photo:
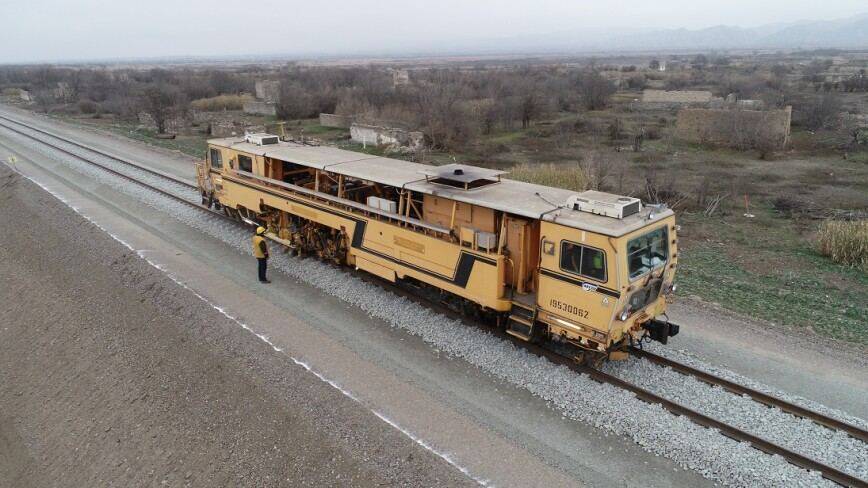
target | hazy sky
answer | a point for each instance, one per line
(53, 30)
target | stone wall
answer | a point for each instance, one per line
(174, 125)
(679, 98)
(676, 96)
(400, 77)
(735, 128)
(335, 120)
(260, 108)
(386, 136)
(268, 90)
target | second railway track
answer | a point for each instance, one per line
(756, 395)
(763, 445)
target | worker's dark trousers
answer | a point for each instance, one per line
(263, 266)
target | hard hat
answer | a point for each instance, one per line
(260, 231)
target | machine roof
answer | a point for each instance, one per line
(515, 197)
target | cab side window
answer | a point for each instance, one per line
(594, 263)
(571, 257)
(245, 163)
(216, 158)
(583, 260)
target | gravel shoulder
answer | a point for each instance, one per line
(113, 375)
(829, 372)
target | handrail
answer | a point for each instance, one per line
(344, 201)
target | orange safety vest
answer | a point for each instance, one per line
(258, 245)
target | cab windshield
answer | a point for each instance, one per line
(647, 251)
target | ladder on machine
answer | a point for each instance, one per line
(522, 319)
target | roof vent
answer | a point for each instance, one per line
(462, 176)
(606, 204)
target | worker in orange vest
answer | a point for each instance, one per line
(260, 252)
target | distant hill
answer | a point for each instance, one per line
(843, 33)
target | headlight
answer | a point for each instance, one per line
(670, 289)
(624, 315)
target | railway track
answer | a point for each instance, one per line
(755, 395)
(735, 433)
(727, 430)
(123, 161)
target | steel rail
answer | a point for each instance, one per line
(727, 430)
(755, 395)
(768, 447)
(97, 151)
(118, 173)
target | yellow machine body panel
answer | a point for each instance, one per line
(582, 275)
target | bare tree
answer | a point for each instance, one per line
(820, 112)
(159, 101)
(594, 89)
(530, 104)
(44, 99)
(294, 102)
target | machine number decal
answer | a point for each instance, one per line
(566, 307)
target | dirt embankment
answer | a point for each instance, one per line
(113, 375)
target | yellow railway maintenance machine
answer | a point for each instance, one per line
(587, 271)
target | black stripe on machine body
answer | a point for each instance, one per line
(578, 282)
(465, 260)
(359, 233)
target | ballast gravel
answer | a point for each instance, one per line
(686, 357)
(834, 448)
(609, 408)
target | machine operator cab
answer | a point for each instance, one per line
(606, 266)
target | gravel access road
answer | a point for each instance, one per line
(112, 374)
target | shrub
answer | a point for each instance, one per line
(845, 242)
(570, 177)
(88, 107)
(219, 103)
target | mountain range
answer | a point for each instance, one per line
(849, 33)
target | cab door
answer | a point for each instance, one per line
(522, 237)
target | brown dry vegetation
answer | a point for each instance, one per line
(220, 103)
(845, 242)
(571, 177)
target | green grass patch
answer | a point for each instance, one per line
(763, 268)
(317, 129)
(510, 137)
(190, 145)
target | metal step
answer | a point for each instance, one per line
(524, 311)
(520, 327)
